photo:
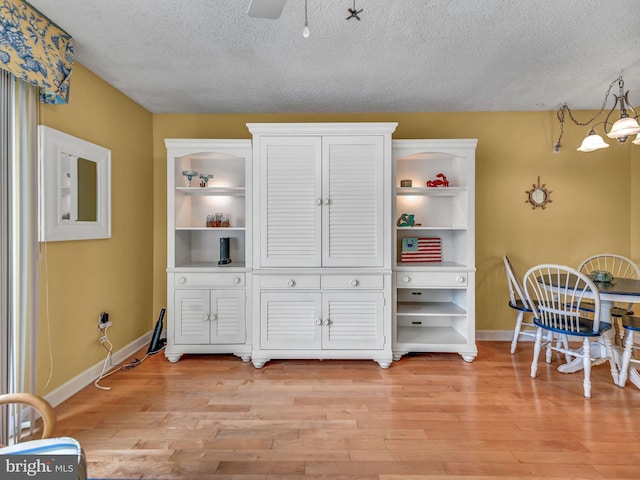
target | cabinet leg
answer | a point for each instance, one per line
(173, 357)
(245, 358)
(383, 362)
(259, 362)
(467, 357)
(398, 355)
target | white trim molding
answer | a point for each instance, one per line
(498, 336)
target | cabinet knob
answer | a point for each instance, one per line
(291, 283)
(319, 321)
(326, 201)
(354, 283)
(318, 201)
(182, 280)
(213, 317)
(406, 279)
(236, 280)
(325, 321)
(205, 317)
(461, 279)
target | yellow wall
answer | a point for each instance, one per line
(590, 210)
(634, 178)
(80, 279)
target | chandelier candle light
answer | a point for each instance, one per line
(621, 129)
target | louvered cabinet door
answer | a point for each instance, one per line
(353, 320)
(191, 324)
(291, 320)
(228, 316)
(353, 201)
(290, 201)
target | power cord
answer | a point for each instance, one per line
(108, 346)
(43, 248)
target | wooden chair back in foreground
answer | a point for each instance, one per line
(43, 407)
(48, 444)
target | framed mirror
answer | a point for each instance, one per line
(538, 196)
(74, 187)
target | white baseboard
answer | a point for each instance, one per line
(73, 386)
(499, 335)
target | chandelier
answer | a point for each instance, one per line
(621, 129)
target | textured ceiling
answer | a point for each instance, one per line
(209, 56)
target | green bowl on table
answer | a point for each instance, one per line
(601, 276)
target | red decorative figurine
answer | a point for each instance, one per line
(441, 181)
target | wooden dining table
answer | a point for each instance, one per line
(619, 290)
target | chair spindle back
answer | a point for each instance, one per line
(556, 293)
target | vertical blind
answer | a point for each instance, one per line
(18, 243)
(5, 99)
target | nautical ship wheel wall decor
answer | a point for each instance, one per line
(539, 195)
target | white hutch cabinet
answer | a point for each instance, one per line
(333, 254)
(322, 241)
(434, 307)
(207, 301)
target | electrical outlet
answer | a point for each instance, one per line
(104, 326)
(103, 321)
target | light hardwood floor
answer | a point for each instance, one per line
(428, 416)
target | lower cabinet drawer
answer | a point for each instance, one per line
(294, 281)
(429, 279)
(346, 282)
(230, 279)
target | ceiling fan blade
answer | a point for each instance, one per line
(266, 8)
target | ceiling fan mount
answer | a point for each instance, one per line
(266, 8)
(272, 9)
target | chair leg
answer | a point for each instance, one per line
(549, 352)
(611, 354)
(536, 353)
(626, 359)
(562, 341)
(516, 332)
(586, 362)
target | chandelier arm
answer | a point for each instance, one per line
(626, 100)
(561, 117)
(606, 119)
(564, 109)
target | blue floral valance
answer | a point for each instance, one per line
(35, 49)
